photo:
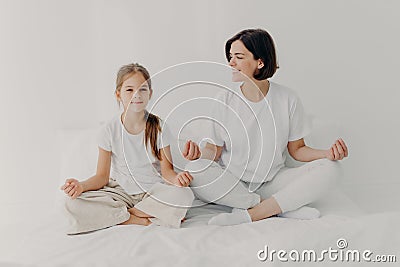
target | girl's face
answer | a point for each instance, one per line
(135, 93)
(243, 62)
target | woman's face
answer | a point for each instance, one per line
(135, 93)
(243, 62)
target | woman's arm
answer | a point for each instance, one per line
(167, 170)
(301, 152)
(74, 188)
(211, 152)
(191, 151)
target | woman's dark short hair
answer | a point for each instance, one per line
(261, 45)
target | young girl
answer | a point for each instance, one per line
(134, 147)
(265, 186)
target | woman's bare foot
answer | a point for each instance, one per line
(139, 213)
(136, 220)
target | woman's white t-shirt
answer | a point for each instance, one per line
(254, 135)
(132, 165)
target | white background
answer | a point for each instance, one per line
(58, 62)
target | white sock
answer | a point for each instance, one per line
(238, 216)
(302, 213)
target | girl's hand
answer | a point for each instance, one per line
(191, 151)
(183, 179)
(72, 187)
(338, 150)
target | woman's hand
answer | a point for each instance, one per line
(338, 150)
(72, 187)
(191, 151)
(183, 179)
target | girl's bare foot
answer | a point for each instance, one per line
(136, 220)
(139, 213)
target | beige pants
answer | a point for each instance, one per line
(108, 206)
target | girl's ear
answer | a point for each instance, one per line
(151, 93)
(118, 95)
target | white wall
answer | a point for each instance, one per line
(46, 76)
(58, 61)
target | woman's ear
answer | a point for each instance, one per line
(260, 64)
(118, 95)
(151, 93)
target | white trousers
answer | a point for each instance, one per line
(291, 187)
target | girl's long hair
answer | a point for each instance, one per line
(152, 121)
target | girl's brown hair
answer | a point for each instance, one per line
(152, 121)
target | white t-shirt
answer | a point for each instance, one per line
(254, 135)
(132, 165)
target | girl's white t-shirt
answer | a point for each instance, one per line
(132, 165)
(254, 135)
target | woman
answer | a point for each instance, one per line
(273, 118)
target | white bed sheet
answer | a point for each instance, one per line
(34, 235)
(41, 241)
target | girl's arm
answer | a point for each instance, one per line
(74, 188)
(102, 175)
(167, 170)
(301, 152)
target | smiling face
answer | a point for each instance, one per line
(243, 62)
(135, 93)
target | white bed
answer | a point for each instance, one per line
(38, 239)
(42, 242)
